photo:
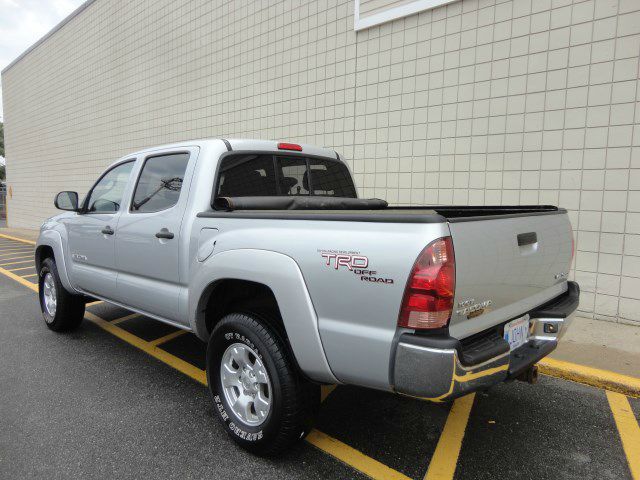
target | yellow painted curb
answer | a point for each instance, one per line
(9, 237)
(615, 382)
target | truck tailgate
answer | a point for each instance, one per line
(505, 266)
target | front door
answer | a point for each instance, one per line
(92, 233)
(148, 236)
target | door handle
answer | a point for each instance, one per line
(165, 233)
(108, 230)
(527, 238)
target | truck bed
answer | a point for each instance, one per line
(361, 210)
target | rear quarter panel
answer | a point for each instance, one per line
(356, 318)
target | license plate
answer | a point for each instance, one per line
(516, 332)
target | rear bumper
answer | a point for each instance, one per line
(441, 368)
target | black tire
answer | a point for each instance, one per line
(294, 400)
(69, 310)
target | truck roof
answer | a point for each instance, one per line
(242, 144)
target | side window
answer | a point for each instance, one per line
(160, 183)
(247, 175)
(106, 195)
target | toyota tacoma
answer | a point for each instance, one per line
(265, 252)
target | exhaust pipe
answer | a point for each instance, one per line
(530, 375)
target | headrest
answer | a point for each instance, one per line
(323, 180)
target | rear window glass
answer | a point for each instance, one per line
(272, 175)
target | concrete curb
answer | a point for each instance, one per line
(595, 377)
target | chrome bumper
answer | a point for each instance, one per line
(438, 375)
(431, 368)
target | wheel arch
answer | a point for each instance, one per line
(228, 295)
(280, 292)
(49, 245)
(42, 253)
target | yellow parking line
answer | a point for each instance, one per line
(21, 268)
(22, 257)
(19, 279)
(124, 319)
(9, 237)
(628, 429)
(330, 445)
(616, 382)
(327, 444)
(353, 457)
(166, 338)
(13, 251)
(445, 458)
(97, 302)
(30, 275)
(165, 357)
(16, 263)
(325, 391)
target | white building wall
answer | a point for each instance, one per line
(476, 101)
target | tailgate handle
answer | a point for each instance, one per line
(527, 238)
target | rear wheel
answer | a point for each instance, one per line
(263, 402)
(61, 310)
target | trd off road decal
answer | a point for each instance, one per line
(353, 262)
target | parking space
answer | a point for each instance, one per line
(149, 413)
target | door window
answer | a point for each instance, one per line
(160, 183)
(106, 194)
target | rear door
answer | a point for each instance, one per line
(506, 266)
(149, 234)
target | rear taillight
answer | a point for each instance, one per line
(428, 296)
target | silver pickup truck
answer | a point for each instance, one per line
(264, 251)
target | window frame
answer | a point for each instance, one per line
(274, 155)
(391, 13)
(85, 204)
(144, 163)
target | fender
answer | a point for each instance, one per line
(283, 276)
(53, 239)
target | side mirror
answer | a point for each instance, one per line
(67, 201)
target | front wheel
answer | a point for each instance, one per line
(61, 310)
(264, 404)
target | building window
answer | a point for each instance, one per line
(369, 13)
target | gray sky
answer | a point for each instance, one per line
(24, 22)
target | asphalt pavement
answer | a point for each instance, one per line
(101, 403)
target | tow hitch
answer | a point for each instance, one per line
(530, 375)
